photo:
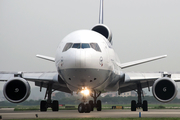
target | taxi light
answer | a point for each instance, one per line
(85, 91)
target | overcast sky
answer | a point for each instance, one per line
(140, 28)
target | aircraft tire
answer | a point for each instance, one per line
(99, 107)
(145, 105)
(92, 105)
(81, 108)
(133, 105)
(87, 108)
(43, 106)
(55, 105)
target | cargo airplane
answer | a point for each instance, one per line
(86, 63)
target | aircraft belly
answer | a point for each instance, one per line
(78, 78)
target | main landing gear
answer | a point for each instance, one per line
(88, 107)
(139, 103)
(49, 103)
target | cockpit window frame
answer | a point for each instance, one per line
(92, 45)
(85, 45)
(67, 46)
(76, 45)
(95, 46)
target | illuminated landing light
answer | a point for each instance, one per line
(85, 91)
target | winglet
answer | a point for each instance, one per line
(101, 12)
(46, 58)
(129, 64)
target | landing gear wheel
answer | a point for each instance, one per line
(43, 106)
(81, 108)
(145, 105)
(87, 108)
(99, 108)
(133, 105)
(91, 104)
(55, 105)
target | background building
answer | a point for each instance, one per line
(115, 94)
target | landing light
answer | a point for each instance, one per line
(85, 91)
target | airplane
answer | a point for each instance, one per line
(86, 63)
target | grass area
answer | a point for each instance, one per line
(107, 119)
(151, 106)
(165, 105)
(29, 108)
(25, 108)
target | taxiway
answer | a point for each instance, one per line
(103, 114)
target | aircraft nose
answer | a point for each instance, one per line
(77, 59)
(84, 68)
(82, 59)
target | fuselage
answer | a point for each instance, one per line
(86, 59)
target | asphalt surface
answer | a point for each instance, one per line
(10, 114)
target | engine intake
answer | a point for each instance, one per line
(164, 89)
(103, 30)
(16, 90)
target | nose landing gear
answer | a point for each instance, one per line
(88, 107)
(84, 106)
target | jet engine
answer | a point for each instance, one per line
(16, 90)
(103, 30)
(164, 89)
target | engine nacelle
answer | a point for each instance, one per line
(164, 89)
(16, 90)
(103, 30)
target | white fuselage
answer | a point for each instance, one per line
(81, 63)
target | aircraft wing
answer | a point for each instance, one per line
(146, 80)
(5, 76)
(46, 58)
(41, 79)
(133, 63)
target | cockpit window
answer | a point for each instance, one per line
(67, 46)
(95, 46)
(85, 45)
(76, 45)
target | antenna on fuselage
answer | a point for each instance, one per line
(101, 12)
